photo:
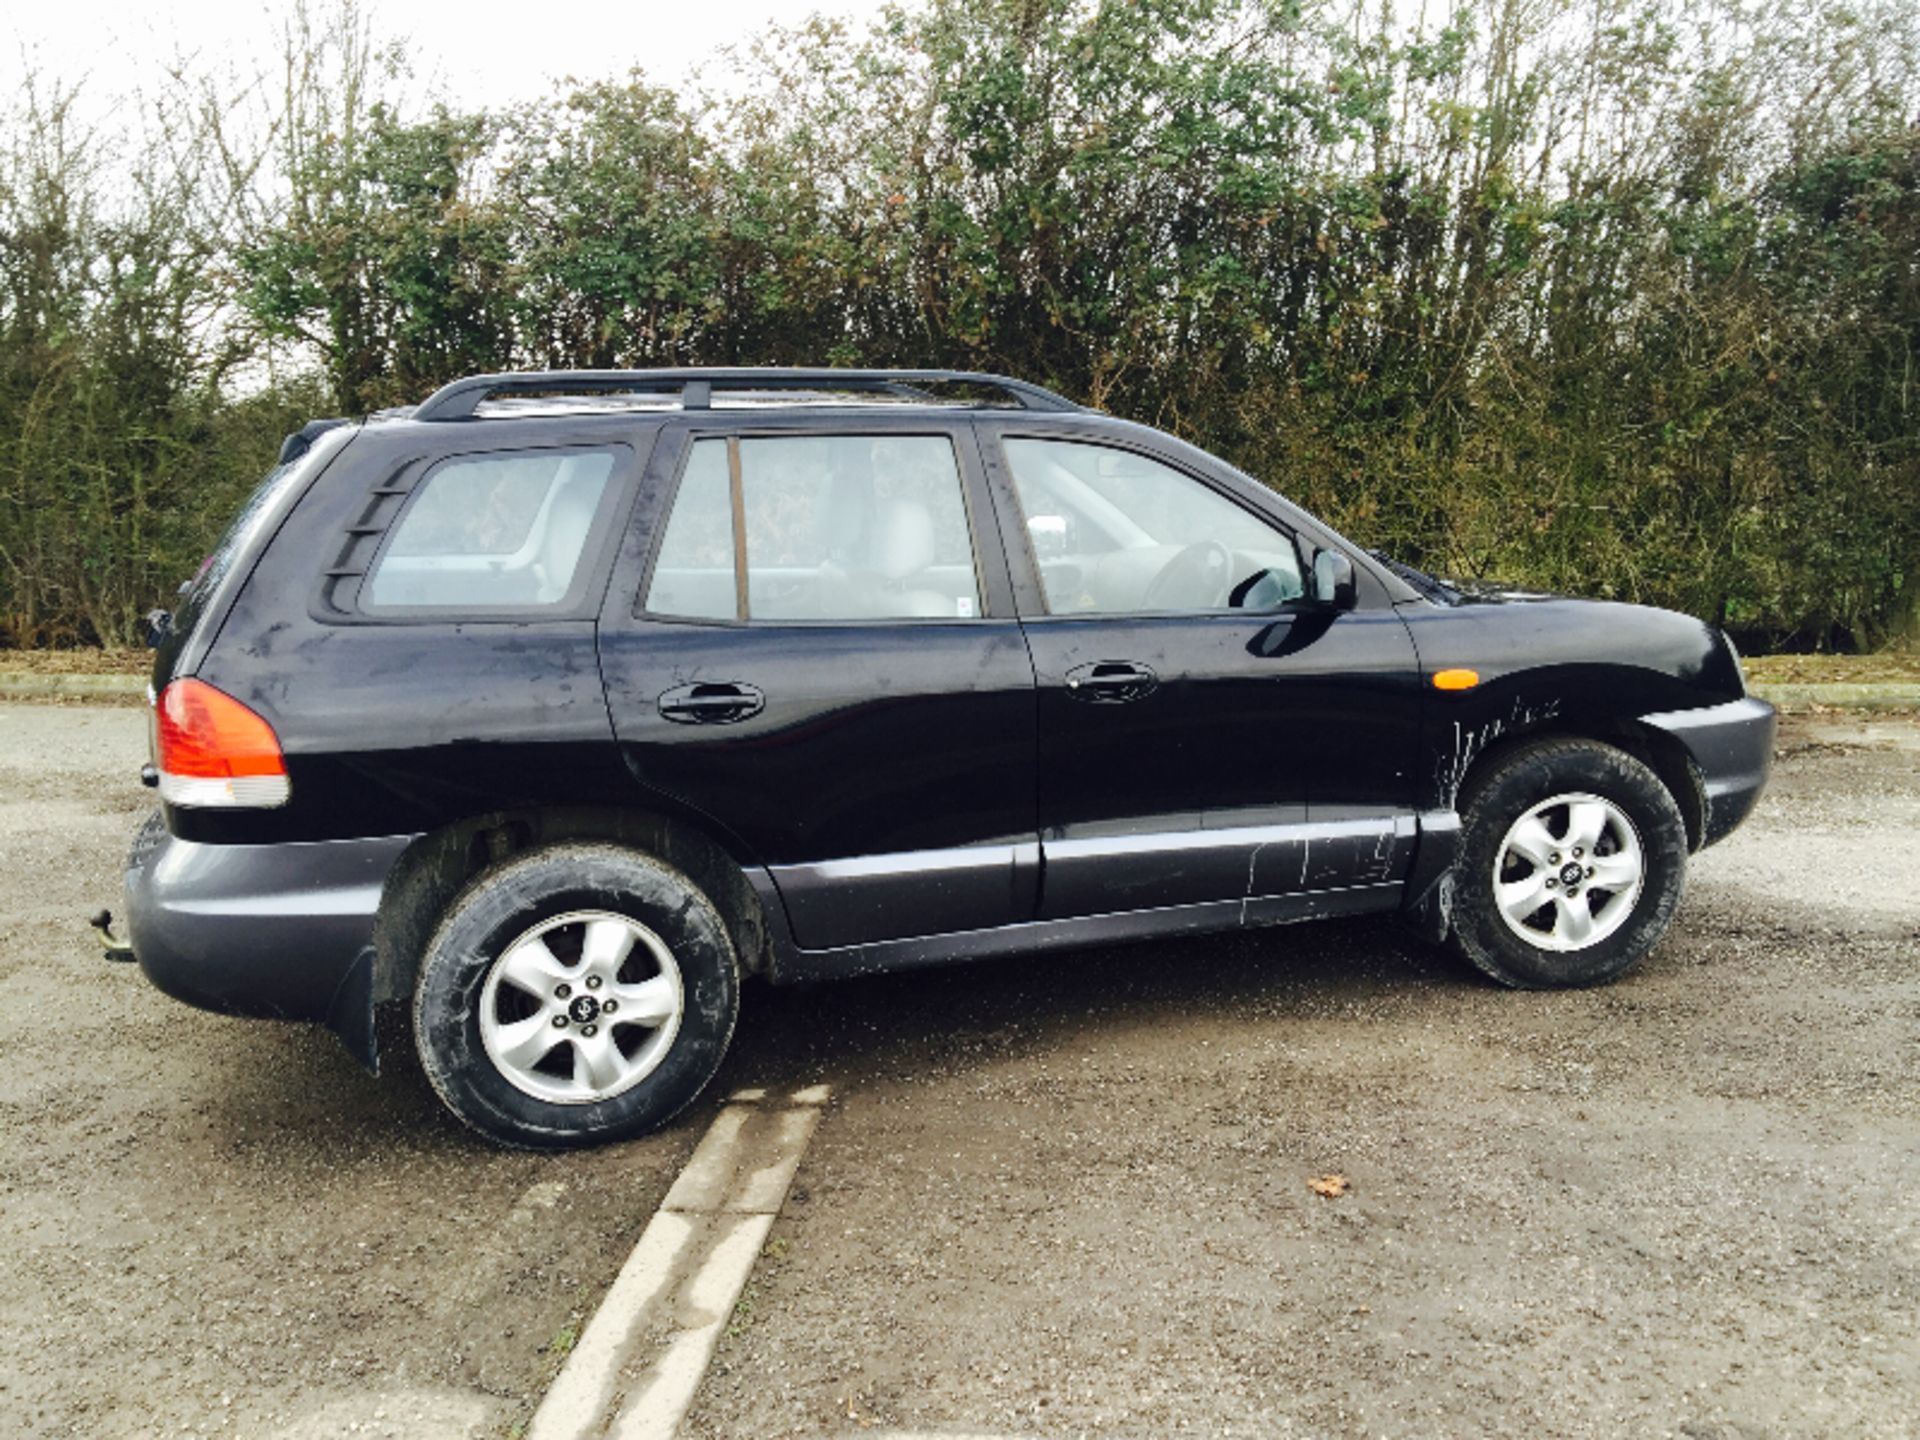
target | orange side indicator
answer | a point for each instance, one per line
(1455, 679)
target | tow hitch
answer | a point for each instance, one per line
(118, 953)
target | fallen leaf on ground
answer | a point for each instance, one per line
(1331, 1186)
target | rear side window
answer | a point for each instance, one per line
(694, 575)
(818, 527)
(494, 532)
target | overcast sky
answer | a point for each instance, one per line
(482, 52)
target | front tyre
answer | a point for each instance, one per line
(573, 995)
(1572, 859)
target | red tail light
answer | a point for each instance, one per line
(213, 751)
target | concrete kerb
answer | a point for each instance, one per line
(1837, 695)
(31, 684)
(641, 1358)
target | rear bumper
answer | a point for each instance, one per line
(271, 930)
(1732, 747)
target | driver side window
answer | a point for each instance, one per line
(1116, 533)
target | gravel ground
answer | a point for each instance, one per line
(1072, 1198)
(1056, 1198)
(225, 1227)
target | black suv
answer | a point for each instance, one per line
(558, 703)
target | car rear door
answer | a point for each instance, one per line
(1206, 732)
(812, 648)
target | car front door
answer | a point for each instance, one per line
(815, 655)
(1207, 731)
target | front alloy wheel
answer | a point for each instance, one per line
(1568, 872)
(1572, 859)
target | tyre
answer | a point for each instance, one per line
(1572, 859)
(574, 995)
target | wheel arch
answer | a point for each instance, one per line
(437, 866)
(1659, 751)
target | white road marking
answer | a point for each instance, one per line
(641, 1358)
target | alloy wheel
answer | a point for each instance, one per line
(1568, 872)
(581, 1007)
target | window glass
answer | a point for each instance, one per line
(1117, 533)
(265, 502)
(856, 527)
(839, 527)
(693, 574)
(493, 532)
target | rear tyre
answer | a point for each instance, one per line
(1572, 860)
(574, 995)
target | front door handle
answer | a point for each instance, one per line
(711, 703)
(1111, 682)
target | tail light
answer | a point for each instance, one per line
(214, 752)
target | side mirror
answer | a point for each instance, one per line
(1333, 580)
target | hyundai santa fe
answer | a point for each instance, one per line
(557, 704)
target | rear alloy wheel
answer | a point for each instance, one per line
(573, 995)
(1573, 856)
(582, 1007)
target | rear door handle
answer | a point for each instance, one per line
(1111, 682)
(711, 703)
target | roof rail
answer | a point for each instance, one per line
(694, 387)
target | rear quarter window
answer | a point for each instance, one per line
(506, 531)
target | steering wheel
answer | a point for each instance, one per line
(1198, 578)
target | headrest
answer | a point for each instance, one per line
(902, 539)
(569, 517)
